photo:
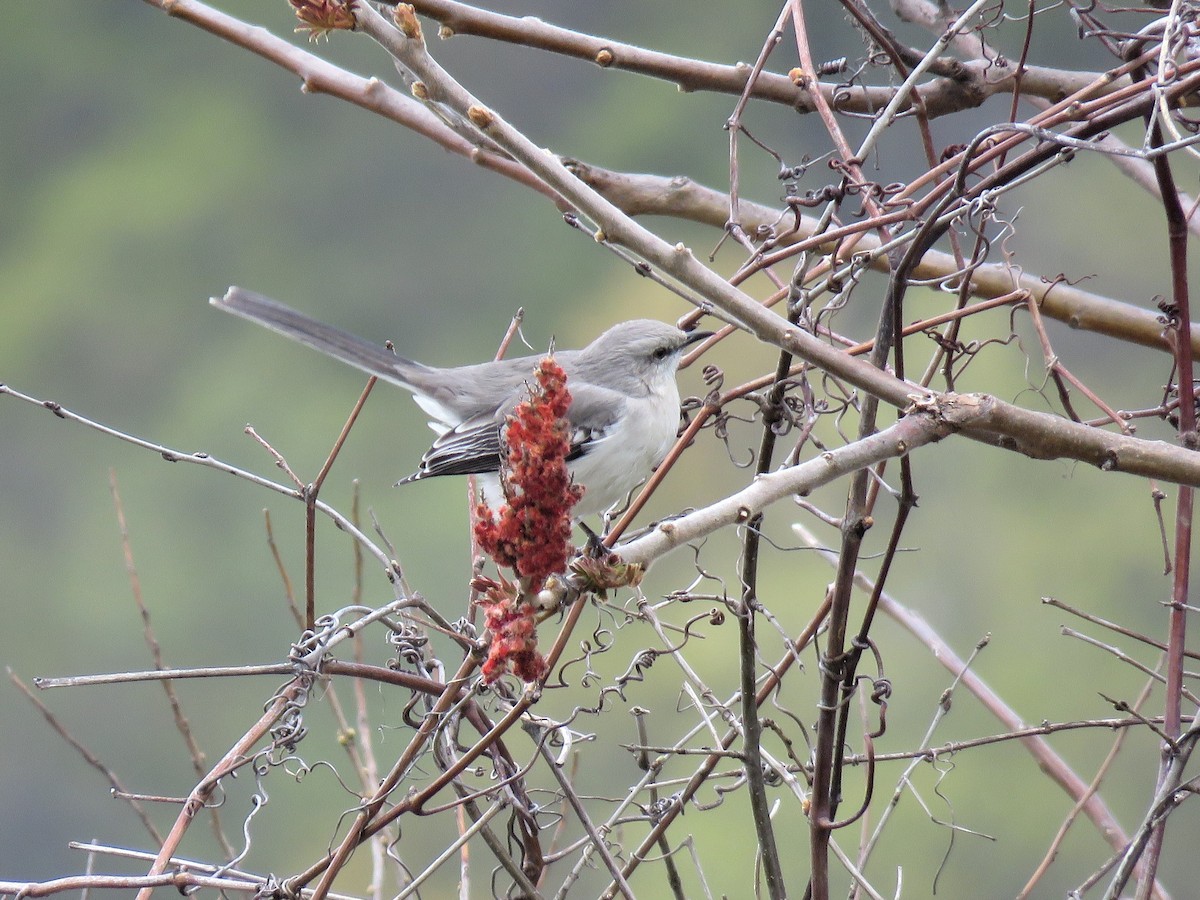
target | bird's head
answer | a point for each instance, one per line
(642, 346)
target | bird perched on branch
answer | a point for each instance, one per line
(624, 412)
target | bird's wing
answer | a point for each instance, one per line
(476, 446)
(472, 447)
(593, 413)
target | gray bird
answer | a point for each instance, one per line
(624, 412)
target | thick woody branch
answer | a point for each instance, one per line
(910, 432)
(682, 198)
(921, 427)
(321, 77)
(1036, 435)
(961, 86)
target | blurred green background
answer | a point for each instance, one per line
(145, 166)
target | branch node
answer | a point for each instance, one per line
(405, 18)
(481, 117)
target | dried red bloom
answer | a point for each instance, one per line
(512, 621)
(320, 17)
(531, 532)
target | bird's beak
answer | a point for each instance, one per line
(695, 337)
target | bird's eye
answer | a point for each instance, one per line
(661, 353)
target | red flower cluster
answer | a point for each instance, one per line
(512, 621)
(532, 531)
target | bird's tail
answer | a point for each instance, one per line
(362, 354)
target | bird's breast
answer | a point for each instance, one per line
(628, 452)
